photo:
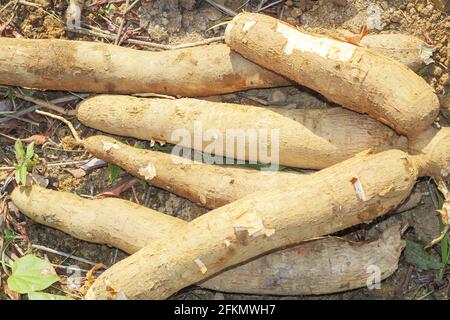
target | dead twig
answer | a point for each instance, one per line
(33, 123)
(52, 164)
(39, 8)
(132, 6)
(30, 4)
(36, 106)
(42, 103)
(222, 8)
(122, 23)
(6, 24)
(6, 6)
(38, 139)
(175, 47)
(146, 43)
(269, 5)
(67, 122)
(63, 254)
(261, 3)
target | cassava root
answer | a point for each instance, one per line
(351, 192)
(82, 66)
(352, 76)
(210, 186)
(95, 67)
(310, 139)
(293, 271)
(354, 191)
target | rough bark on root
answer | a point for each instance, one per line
(352, 76)
(82, 66)
(354, 191)
(210, 186)
(207, 185)
(310, 139)
(351, 192)
(298, 270)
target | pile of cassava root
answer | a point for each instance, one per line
(266, 231)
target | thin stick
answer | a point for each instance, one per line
(67, 122)
(112, 37)
(6, 6)
(13, 116)
(132, 6)
(69, 267)
(222, 8)
(41, 103)
(6, 24)
(27, 3)
(122, 23)
(175, 47)
(67, 255)
(39, 7)
(261, 3)
(52, 164)
(36, 106)
(269, 5)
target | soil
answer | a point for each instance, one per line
(183, 21)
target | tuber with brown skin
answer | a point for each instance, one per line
(207, 185)
(356, 190)
(83, 66)
(352, 76)
(322, 266)
(312, 139)
(292, 271)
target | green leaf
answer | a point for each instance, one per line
(23, 174)
(31, 273)
(30, 151)
(9, 235)
(20, 152)
(46, 296)
(416, 255)
(17, 176)
(113, 172)
(28, 164)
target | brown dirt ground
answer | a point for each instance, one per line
(181, 21)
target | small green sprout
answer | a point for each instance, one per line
(25, 161)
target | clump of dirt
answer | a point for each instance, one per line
(39, 24)
(167, 21)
